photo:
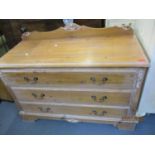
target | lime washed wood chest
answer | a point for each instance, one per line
(83, 74)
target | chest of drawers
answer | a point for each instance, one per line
(81, 75)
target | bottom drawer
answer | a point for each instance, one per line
(73, 110)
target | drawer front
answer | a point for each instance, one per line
(108, 112)
(103, 97)
(101, 78)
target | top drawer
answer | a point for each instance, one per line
(107, 78)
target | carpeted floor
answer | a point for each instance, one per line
(11, 124)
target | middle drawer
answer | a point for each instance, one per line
(64, 95)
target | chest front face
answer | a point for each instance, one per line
(93, 75)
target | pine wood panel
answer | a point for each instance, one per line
(105, 78)
(4, 94)
(76, 118)
(107, 112)
(76, 96)
(118, 122)
(86, 47)
(71, 118)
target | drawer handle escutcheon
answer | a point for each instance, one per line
(34, 95)
(103, 98)
(33, 80)
(44, 109)
(104, 79)
(93, 79)
(103, 112)
(94, 98)
(94, 112)
(41, 96)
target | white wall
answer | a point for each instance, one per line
(145, 31)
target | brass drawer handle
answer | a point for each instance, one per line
(26, 79)
(94, 97)
(41, 96)
(103, 112)
(94, 112)
(102, 99)
(44, 109)
(33, 80)
(93, 79)
(104, 79)
(34, 95)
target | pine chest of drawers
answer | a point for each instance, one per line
(86, 74)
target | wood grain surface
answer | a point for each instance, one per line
(90, 111)
(84, 77)
(85, 47)
(4, 94)
(75, 96)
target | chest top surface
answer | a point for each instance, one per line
(84, 47)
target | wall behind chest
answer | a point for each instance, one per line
(145, 31)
